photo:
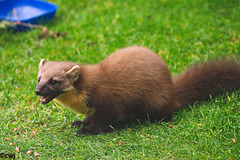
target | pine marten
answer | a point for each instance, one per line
(132, 83)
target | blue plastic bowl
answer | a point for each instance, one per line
(27, 11)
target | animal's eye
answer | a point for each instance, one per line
(38, 79)
(52, 82)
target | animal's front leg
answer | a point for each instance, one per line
(83, 123)
(100, 122)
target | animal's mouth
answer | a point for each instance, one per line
(46, 99)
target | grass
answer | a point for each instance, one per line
(181, 32)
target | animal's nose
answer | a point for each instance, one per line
(37, 91)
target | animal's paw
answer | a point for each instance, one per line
(77, 124)
(91, 130)
(83, 131)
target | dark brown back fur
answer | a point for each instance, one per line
(131, 81)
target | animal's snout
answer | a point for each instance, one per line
(38, 92)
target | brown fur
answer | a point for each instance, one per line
(211, 78)
(132, 83)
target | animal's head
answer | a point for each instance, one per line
(55, 78)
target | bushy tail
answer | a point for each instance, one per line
(201, 81)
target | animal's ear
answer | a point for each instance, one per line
(73, 73)
(42, 62)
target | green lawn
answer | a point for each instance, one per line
(182, 32)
